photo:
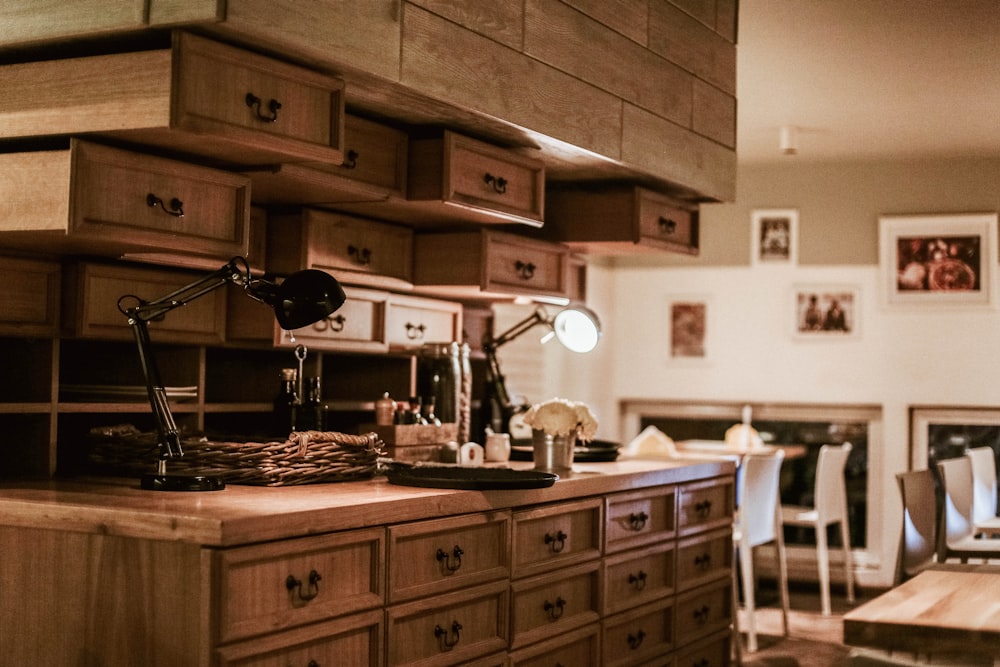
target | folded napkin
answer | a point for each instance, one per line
(652, 442)
(743, 438)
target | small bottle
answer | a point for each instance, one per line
(429, 416)
(385, 409)
(286, 405)
(402, 414)
(416, 411)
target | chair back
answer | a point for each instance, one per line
(956, 478)
(830, 487)
(918, 539)
(984, 481)
(759, 476)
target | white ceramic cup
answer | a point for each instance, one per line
(498, 447)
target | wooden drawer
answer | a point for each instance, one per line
(580, 648)
(705, 505)
(105, 201)
(486, 262)
(92, 291)
(639, 518)
(444, 554)
(704, 611)
(198, 97)
(285, 584)
(547, 605)
(638, 577)
(351, 640)
(713, 651)
(704, 558)
(552, 536)
(639, 635)
(29, 302)
(489, 182)
(33, 22)
(449, 629)
(412, 321)
(662, 222)
(355, 250)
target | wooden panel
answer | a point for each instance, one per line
(639, 518)
(568, 40)
(686, 41)
(639, 635)
(628, 17)
(42, 20)
(705, 505)
(638, 577)
(29, 301)
(580, 648)
(411, 321)
(714, 114)
(704, 559)
(501, 21)
(704, 611)
(713, 650)
(548, 605)
(553, 536)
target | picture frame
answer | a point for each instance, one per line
(687, 329)
(826, 311)
(775, 237)
(939, 259)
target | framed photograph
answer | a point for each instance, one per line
(687, 324)
(826, 311)
(775, 236)
(939, 259)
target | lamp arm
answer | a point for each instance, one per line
(166, 428)
(151, 310)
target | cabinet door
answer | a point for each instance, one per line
(550, 604)
(411, 321)
(639, 635)
(641, 517)
(558, 535)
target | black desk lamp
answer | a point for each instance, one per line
(576, 327)
(299, 300)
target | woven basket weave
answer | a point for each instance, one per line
(306, 457)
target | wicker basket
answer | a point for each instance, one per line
(306, 457)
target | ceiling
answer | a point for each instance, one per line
(868, 79)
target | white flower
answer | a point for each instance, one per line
(558, 416)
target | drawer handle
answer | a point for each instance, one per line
(702, 663)
(312, 663)
(703, 562)
(635, 641)
(637, 581)
(703, 509)
(555, 609)
(254, 103)
(525, 269)
(444, 637)
(498, 183)
(332, 323)
(556, 543)
(701, 615)
(293, 584)
(450, 563)
(415, 331)
(351, 159)
(176, 205)
(667, 226)
(361, 256)
(638, 521)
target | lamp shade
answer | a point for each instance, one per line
(577, 328)
(302, 298)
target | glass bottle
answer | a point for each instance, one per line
(286, 405)
(312, 417)
(416, 411)
(429, 416)
(439, 374)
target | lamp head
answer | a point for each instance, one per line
(302, 298)
(577, 328)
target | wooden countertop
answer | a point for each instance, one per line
(246, 514)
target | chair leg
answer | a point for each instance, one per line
(746, 571)
(779, 545)
(845, 539)
(737, 642)
(823, 564)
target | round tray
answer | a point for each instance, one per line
(478, 479)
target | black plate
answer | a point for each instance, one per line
(596, 451)
(477, 479)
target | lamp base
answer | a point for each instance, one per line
(181, 483)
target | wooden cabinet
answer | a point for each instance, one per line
(105, 201)
(620, 220)
(29, 302)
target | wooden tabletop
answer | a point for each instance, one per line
(941, 610)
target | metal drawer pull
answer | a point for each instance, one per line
(703, 562)
(638, 521)
(703, 509)
(254, 103)
(361, 256)
(351, 159)
(635, 641)
(557, 543)
(701, 615)
(498, 183)
(525, 269)
(293, 584)
(638, 581)
(667, 226)
(415, 331)
(176, 205)
(555, 610)
(444, 637)
(450, 563)
(334, 323)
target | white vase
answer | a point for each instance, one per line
(552, 453)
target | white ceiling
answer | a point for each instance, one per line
(868, 79)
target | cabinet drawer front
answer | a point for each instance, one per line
(158, 204)
(556, 535)
(636, 578)
(413, 322)
(635, 519)
(662, 221)
(354, 640)
(286, 584)
(706, 505)
(484, 175)
(441, 555)
(547, 605)
(704, 558)
(449, 629)
(704, 611)
(345, 244)
(638, 635)
(580, 648)
(29, 305)
(521, 267)
(356, 325)
(712, 651)
(375, 154)
(225, 90)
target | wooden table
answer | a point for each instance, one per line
(718, 448)
(949, 609)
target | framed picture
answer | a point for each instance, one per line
(826, 311)
(775, 236)
(939, 259)
(687, 324)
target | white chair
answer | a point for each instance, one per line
(918, 538)
(758, 522)
(830, 507)
(959, 533)
(984, 493)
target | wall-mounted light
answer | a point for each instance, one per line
(788, 139)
